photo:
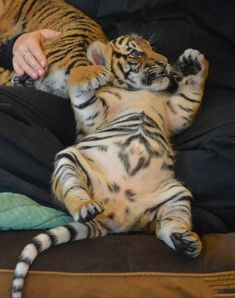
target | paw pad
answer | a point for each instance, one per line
(23, 81)
(187, 243)
(191, 62)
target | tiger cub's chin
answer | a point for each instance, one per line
(160, 84)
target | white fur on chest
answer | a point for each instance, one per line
(54, 83)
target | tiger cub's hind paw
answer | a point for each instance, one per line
(23, 81)
(187, 243)
(88, 210)
(92, 77)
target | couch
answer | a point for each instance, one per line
(138, 265)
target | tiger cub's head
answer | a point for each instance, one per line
(132, 61)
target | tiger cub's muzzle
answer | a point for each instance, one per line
(154, 74)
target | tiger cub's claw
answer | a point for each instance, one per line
(88, 211)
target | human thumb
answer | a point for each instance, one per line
(48, 34)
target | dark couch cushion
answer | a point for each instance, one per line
(121, 253)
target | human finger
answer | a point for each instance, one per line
(48, 34)
(33, 63)
(20, 60)
(36, 50)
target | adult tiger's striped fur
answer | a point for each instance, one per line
(120, 177)
(70, 50)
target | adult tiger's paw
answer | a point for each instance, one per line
(87, 78)
(187, 243)
(23, 81)
(88, 210)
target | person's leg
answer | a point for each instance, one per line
(34, 126)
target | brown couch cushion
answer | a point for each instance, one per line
(122, 285)
(121, 266)
(121, 253)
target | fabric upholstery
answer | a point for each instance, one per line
(121, 266)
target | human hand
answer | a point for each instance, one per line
(28, 56)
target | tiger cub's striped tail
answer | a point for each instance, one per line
(63, 234)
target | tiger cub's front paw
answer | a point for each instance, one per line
(87, 78)
(187, 243)
(23, 81)
(87, 210)
(192, 62)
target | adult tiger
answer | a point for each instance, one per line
(120, 177)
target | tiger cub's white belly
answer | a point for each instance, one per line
(125, 196)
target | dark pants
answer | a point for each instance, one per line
(34, 126)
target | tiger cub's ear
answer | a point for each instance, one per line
(98, 53)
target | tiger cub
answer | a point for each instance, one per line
(120, 177)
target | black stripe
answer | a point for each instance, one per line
(31, 7)
(17, 289)
(25, 260)
(185, 108)
(104, 226)
(87, 103)
(113, 187)
(119, 41)
(60, 50)
(92, 117)
(114, 93)
(92, 139)
(37, 243)
(71, 188)
(119, 129)
(171, 107)
(53, 238)
(188, 98)
(142, 163)
(130, 195)
(186, 119)
(61, 174)
(42, 14)
(88, 229)
(73, 232)
(76, 62)
(188, 198)
(73, 158)
(21, 276)
(20, 10)
(99, 147)
(95, 228)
